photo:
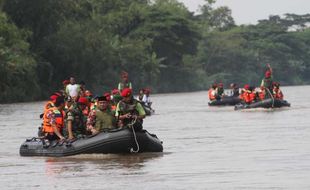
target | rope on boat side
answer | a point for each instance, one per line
(135, 137)
(271, 97)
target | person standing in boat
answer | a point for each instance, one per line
(102, 118)
(73, 89)
(267, 81)
(54, 120)
(130, 111)
(124, 82)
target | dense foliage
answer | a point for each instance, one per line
(160, 43)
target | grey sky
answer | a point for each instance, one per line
(249, 11)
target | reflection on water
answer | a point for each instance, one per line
(102, 162)
(209, 148)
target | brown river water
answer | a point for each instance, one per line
(204, 148)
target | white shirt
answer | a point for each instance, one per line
(73, 90)
(146, 100)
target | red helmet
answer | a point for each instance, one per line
(83, 100)
(115, 91)
(126, 92)
(107, 95)
(53, 97)
(146, 90)
(65, 82)
(247, 87)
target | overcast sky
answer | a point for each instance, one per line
(249, 11)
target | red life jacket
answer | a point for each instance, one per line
(278, 94)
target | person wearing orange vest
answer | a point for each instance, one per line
(247, 94)
(51, 102)
(252, 94)
(262, 93)
(53, 120)
(213, 93)
(277, 93)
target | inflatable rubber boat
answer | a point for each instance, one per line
(268, 103)
(114, 141)
(225, 101)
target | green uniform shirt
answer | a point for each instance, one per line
(128, 108)
(104, 120)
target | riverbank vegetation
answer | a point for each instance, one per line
(160, 43)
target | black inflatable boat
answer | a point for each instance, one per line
(225, 101)
(116, 141)
(268, 103)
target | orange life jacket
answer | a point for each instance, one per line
(261, 95)
(252, 96)
(278, 94)
(247, 96)
(59, 116)
(211, 96)
(48, 105)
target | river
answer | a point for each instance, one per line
(204, 148)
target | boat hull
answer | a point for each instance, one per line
(268, 103)
(120, 141)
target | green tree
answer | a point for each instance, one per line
(18, 81)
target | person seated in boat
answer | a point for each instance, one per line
(253, 96)
(146, 97)
(115, 98)
(277, 93)
(75, 119)
(53, 120)
(268, 79)
(102, 118)
(212, 93)
(49, 104)
(234, 90)
(140, 95)
(262, 93)
(124, 82)
(130, 111)
(220, 90)
(247, 94)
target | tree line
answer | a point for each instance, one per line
(160, 43)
